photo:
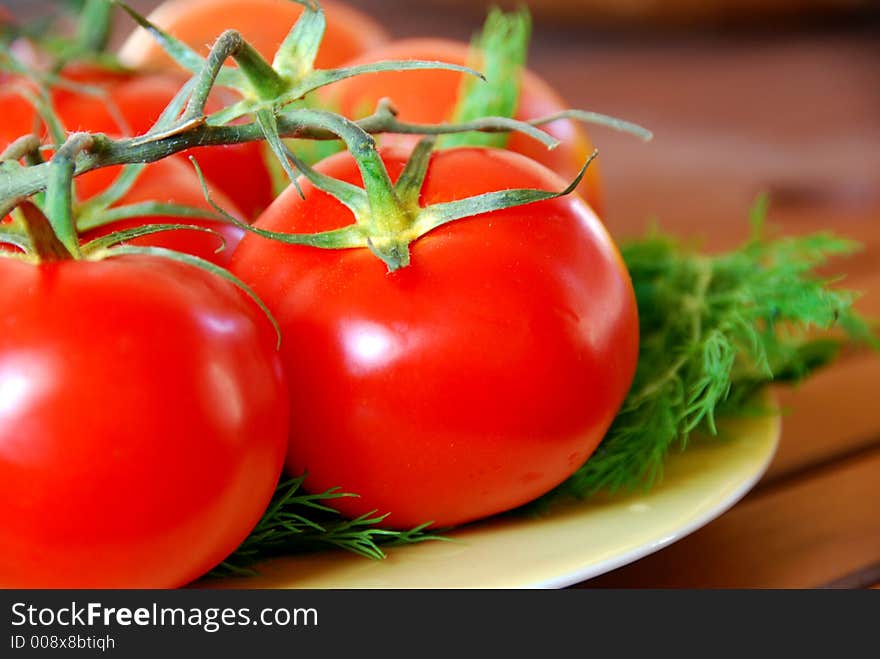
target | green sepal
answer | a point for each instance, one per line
(143, 209)
(502, 48)
(488, 124)
(263, 80)
(195, 261)
(409, 184)
(431, 217)
(344, 238)
(185, 56)
(104, 242)
(324, 77)
(170, 115)
(269, 126)
(232, 112)
(597, 119)
(296, 54)
(383, 203)
(351, 196)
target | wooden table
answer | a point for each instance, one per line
(793, 114)
(796, 115)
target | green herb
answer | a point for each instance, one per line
(715, 329)
(296, 522)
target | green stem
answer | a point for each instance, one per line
(263, 79)
(27, 147)
(59, 190)
(106, 152)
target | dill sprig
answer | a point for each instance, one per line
(298, 522)
(715, 329)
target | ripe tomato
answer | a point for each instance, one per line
(132, 104)
(430, 96)
(264, 23)
(471, 381)
(143, 422)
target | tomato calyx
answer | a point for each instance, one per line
(388, 216)
(395, 218)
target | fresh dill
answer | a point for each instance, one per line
(297, 521)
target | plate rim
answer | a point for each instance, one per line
(699, 521)
(575, 571)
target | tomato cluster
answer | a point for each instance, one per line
(145, 411)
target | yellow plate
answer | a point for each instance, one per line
(567, 545)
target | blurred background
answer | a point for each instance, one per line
(744, 97)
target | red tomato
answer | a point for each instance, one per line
(143, 422)
(132, 104)
(430, 96)
(264, 23)
(471, 381)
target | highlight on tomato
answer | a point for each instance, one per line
(476, 374)
(143, 421)
(431, 95)
(264, 23)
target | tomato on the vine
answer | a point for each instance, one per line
(467, 383)
(143, 421)
(430, 96)
(264, 23)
